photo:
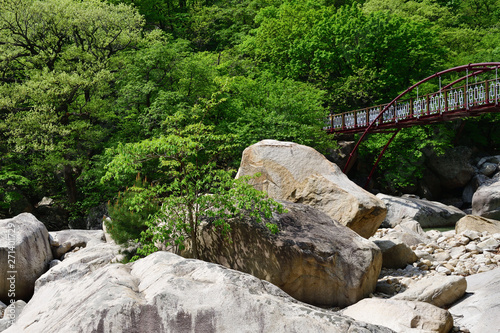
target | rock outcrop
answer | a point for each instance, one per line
(167, 293)
(401, 316)
(296, 173)
(24, 256)
(430, 214)
(477, 223)
(313, 258)
(479, 310)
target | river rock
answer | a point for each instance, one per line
(401, 316)
(477, 223)
(409, 232)
(488, 169)
(395, 254)
(24, 255)
(429, 214)
(453, 167)
(479, 310)
(313, 258)
(486, 200)
(437, 290)
(167, 293)
(296, 173)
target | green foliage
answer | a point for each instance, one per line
(188, 184)
(402, 163)
(131, 211)
(269, 107)
(56, 64)
(11, 182)
(339, 49)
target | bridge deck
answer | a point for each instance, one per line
(445, 105)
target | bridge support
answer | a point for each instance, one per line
(380, 157)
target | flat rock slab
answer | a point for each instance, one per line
(167, 293)
(479, 310)
(429, 214)
(437, 290)
(66, 240)
(298, 173)
(477, 223)
(401, 316)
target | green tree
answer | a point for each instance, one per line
(340, 49)
(57, 67)
(403, 163)
(189, 186)
(131, 211)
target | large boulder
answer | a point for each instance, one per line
(437, 290)
(395, 254)
(296, 173)
(477, 223)
(430, 214)
(479, 310)
(401, 316)
(313, 258)
(167, 293)
(486, 200)
(453, 168)
(24, 256)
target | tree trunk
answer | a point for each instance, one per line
(70, 181)
(194, 240)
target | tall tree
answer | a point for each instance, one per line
(57, 62)
(345, 50)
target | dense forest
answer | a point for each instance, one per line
(92, 93)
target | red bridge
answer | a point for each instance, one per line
(470, 98)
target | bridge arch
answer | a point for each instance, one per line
(446, 104)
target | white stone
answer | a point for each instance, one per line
(490, 244)
(401, 316)
(439, 291)
(29, 239)
(427, 213)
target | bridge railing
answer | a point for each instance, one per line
(445, 101)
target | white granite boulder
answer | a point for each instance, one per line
(297, 173)
(24, 256)
(486, 199)
(66, 240)
(167, 293)
(401, 316)
(437, 290)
